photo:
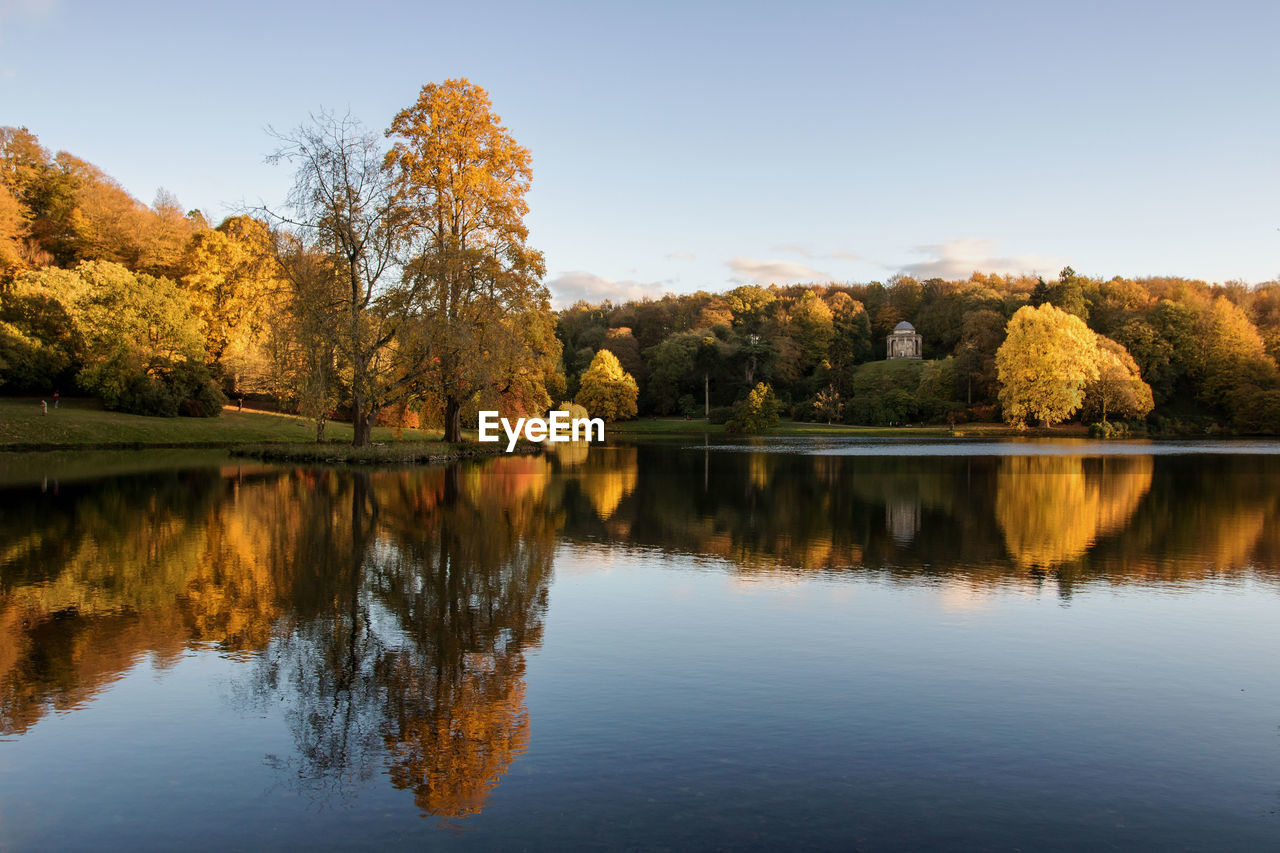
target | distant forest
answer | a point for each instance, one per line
(154, 309)
(1207, 351)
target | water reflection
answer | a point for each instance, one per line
(391, 612)
(1053, 508)
(1062, 519)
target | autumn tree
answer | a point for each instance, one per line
(483, 312)
(1047, 357)
(236, 288)
(1118, 388)
(13, 231)
(827, 404)
(302, 342)
(343, 206)
(757, 413)
(622, 343)
(813, 327)
(607, 391)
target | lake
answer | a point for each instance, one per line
(832, 644)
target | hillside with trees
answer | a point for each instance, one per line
(393, 285)
(1168, 355)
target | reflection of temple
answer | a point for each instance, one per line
(903, 342)
(902, 519)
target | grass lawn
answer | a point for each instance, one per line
(679, 426)
(83, 423)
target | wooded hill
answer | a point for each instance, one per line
(1207, 351)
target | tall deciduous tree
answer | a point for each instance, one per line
(476, 284)
(343, 206)
(1047, 357)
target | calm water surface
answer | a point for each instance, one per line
(822, 644)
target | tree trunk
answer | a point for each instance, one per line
(360, 425)
(319, 430)
(706, 395)
(452, 420)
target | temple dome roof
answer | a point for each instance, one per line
(904, 326)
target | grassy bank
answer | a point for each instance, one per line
(392, 453)
(679, 426)
(84, 424)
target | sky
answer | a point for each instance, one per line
(700, 145)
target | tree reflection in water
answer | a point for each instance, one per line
(391, 612)
(435, 585)
(1053, 508)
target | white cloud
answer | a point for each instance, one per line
(750, 270)
(806, 251)
(958, 259)
(567, 288)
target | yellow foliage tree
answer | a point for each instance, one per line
(1119, 389)
(607, 391)
(13, 228)
(485, 317)
(1044, 363)
(236, 287)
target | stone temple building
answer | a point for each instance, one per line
(903, 342)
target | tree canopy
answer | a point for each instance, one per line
(607, 391)
(1047, 357)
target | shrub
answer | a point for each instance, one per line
(758, 413)
(720, 414)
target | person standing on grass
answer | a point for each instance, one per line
(55, 399)
(240, 404)
(44, 407)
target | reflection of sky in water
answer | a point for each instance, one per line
(1051, 650)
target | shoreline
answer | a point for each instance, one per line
(405, 453)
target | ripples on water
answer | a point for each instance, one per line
(802, 643)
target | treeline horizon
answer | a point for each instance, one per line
(155, 310)
(1208, 352)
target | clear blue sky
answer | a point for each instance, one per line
(692, 145)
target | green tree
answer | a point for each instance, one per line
(137, 340)
(1047, 357)
(607, 391)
